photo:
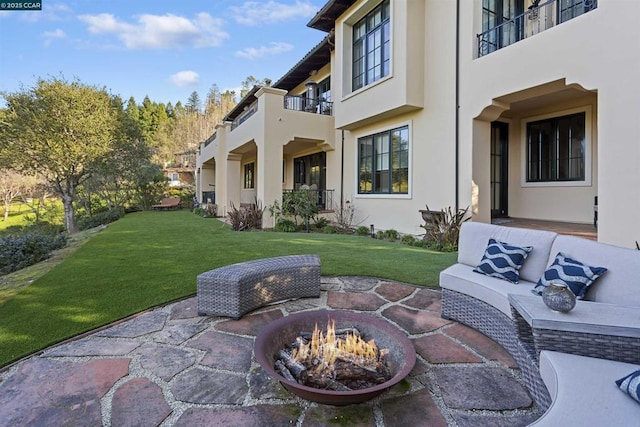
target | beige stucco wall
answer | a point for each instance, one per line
(260, 139)
(596, 53)
(397, 93)
(419, 94)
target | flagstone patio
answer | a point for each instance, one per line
(171, 367)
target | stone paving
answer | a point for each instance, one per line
(171, 367)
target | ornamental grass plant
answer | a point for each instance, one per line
(148, 259)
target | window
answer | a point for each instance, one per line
(371, 46)
(497, 25)
(249, 170)
(324, 90)
(556, 149)
(568, 9)
(383, 162)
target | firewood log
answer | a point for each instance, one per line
(282, 370)
(297, 369)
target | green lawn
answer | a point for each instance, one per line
(21, 214)
(150, 258)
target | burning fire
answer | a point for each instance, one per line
(325, 348)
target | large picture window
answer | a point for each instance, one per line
(371, 46)
(556, 149)
(383, 162)
(249, 171)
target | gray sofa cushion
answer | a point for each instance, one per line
(569, 377)
(461, 278)
(474, 237)
(620, 284)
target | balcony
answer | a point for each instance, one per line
(248, 112)
(324, 198)
(210, 140)
(536, 19)
(299, 103)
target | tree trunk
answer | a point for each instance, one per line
(7, 205)
(69, 214)
(68, 195)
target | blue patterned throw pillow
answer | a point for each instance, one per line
(576, 275)
(630, 384)
(503, 260)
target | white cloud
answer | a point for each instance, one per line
(185, 78)
(49, 36)
(274, 48)
(159, 31)
(256, 13)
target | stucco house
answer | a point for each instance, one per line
(522, 108)
(181, 171)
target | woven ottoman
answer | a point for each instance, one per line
(234, 290)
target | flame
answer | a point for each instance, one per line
(325, 348)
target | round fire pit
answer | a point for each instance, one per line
(276, 335)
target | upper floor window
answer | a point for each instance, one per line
(324, 90)
(383, 162)
(498, 14)
(556, 149)
(568, 9)
(249, 170)
(371, 46)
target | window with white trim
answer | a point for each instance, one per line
(556, 149)
(383, 162)
(372, 46)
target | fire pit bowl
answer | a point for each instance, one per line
(277, 334)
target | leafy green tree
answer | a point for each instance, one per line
(60, 129)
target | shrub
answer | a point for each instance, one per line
(347, 216)
(101, 218)
(380, 235)
(206, 210)
(330, 229)
(285, 225)
(246, 217)
(445, 228)
(300, 203)
(18, 251)
(407, 239)
(391, 235)
(362, 231)
(321, 222)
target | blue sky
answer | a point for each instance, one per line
(164, 49)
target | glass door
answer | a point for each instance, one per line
(499, 169)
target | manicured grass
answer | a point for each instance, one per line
(150, 258)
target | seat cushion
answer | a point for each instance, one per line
(461, 278)
(584, 393)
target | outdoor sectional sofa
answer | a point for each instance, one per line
(603, 329)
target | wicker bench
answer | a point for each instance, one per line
(237, 289)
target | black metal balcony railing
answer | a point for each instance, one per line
(315, 106)
(210, 140)
(536, 19)
(324, 198)
(244, 116)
